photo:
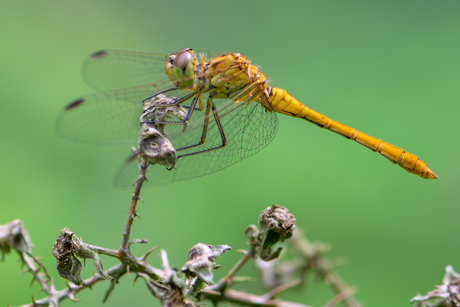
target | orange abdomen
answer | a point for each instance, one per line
(281, 102)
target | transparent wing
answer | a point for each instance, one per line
(107, 70)
(112, 117)
(248, 127)
(108, 117)
(127, 174)
(114, 69)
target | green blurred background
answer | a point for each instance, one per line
(388, 68)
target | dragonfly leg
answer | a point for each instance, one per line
(176, 103)
(161, 92)
(209, 106)
(200, 107)
(251, 91)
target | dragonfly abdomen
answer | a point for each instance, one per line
(282, 102)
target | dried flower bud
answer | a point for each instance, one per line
(276, 225)
(161, 109)
(67, 264)
(14, 235)
(65, 250)
(153, 145)
(201, 261)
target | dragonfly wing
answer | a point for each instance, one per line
(107, 70)
(127, 174)
(211, 53)
(107, 118)
(248, 127)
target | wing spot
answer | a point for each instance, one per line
(99, 54)
(74, 104)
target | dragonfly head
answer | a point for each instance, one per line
(181, 68)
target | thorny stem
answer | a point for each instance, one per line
(227, 279)
(341, 297)
(338, 285)
(244, 298)
(104, 251)
(218, 292)
(123, 250)
(324, 267)
(278, 290)
(165, 262)
(69, 293)
(30, 261)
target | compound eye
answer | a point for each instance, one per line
(183, 59)
(184, 67)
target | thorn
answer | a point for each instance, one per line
(24, 271)
(73, 299)
(52, 286)
(144, 257)
(243, 251)
(135, 279)
(67, 284)
(32, 282)
(33, 300)
(127, 269)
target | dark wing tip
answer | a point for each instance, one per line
(99, 54)
(74, 104)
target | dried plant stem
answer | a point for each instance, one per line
(30, 260)
(54, 297)
(123, 250)
(227, 279)
(243, 298)
(105, 251)
(220, 292)
(282, 288)
(158, 278)
(313, 255)
(341, 297)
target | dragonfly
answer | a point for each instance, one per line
(229, 111)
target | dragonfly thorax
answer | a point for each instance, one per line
(233, 76)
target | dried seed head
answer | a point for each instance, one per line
(67, 264)
(155, 148)
(161, 109)
(14, 235)
(276, 225)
